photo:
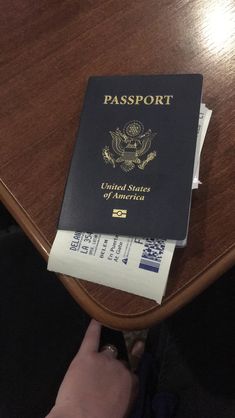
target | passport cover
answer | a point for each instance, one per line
(132, 166)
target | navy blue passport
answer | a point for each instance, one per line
(132, 166)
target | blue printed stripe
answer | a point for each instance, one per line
(151, 267)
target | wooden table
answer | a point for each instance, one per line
(48, 51)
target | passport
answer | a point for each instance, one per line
(132, 166)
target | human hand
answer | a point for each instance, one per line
(96, 384)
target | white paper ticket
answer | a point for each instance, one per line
(136, 265)
(203, 123)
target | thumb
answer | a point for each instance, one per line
(91, 339)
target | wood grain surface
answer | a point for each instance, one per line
(48, 51)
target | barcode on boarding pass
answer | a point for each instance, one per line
(152, 254)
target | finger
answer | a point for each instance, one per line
(91, 339)
(109, 350)
(136, 354)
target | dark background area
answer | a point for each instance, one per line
(41, 328)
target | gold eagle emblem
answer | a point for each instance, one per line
(129, 145)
